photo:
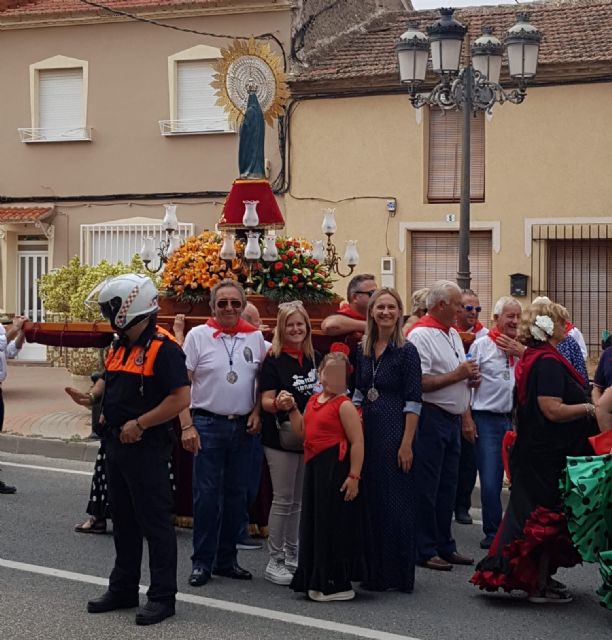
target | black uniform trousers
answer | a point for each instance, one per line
(140, 491)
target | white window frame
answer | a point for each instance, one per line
(35, 133)
(174, 126)
(93, 236)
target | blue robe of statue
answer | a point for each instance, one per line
(251, 150)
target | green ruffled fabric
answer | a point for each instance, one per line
(587, 494)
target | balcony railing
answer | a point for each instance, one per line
(195, 126)
(55, 135)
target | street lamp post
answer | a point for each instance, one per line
(471, 88)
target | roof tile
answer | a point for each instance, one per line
(574, 31)
(23, 214)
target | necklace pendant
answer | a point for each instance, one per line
(506, 375)
(231, 377)
(373, 394)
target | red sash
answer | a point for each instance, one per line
(298, 353)
(241, 327)
(346, 310)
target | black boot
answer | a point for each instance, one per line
(5, 488)
(154, 612)
(110, 601)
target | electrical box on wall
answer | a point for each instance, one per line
(387, 271)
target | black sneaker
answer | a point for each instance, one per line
(110, 601)
(5, 488)
(463, 517)
(154, 612)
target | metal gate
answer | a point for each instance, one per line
(31, 266)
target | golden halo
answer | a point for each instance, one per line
(244, 63)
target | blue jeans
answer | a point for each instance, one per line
(436, 466)
(491, 429)
(253, 482)
(220, 478)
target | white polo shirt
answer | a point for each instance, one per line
(208, 361)
(496, 377)
(442, 353)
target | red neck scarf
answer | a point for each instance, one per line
(568, 327)
(292, 351)
(430, 322)
(529, 358)
(242, 327)
(494, 333)
(478, 326)
(346, 310)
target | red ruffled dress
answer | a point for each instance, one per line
(534, 522)
(331, 549)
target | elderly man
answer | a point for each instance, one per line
(446, 399)
(469, 326)
(496, 355)
(223, 359)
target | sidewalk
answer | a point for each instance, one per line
(40, 418)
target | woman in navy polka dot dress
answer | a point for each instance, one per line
(388, 388)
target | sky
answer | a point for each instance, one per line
(436, 4)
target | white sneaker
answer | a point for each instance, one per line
(291, 562)
(317, 596)
(277, 572)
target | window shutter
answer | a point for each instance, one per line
(445, 148)
(435, 256)
(60, 102)
(196, 100)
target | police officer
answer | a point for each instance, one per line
(145, 385)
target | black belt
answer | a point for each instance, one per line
(494, 413)
(210, 414)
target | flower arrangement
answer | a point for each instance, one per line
(196, 266)
(296, 275)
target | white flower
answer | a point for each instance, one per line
(543, 328)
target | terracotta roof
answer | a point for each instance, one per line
(574, 32)
(23, 214)
(62, 7)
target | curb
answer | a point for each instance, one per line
(84, 451)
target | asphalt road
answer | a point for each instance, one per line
(48, 572)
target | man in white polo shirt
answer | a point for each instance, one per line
(223, 358)
(496, 355)
(446, 399)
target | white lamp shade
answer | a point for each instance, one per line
(174, 243)
(329, 225)
(351, 255)
(148, 251)
(252, 251)
(412, 64)
(250, 217)
(445, 55)
(318, 251)
(523, 59)
(170, 221)
(228, 249)
(489, 66)
(270, 252)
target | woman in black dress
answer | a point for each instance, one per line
(554, 420)
(388, 388)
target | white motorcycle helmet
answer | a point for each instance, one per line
(125, 300)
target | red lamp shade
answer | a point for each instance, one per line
(267, 209)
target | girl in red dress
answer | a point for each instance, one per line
(331, 544)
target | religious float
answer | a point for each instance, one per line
(251, 85)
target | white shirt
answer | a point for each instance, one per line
(579, 338)
(442, 353)
(7, 350)
(208, 360)
(496, 377)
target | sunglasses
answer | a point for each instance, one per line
(292, 304)
(471, 307)
(224, 304)
(367, 293)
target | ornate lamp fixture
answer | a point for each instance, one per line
(328, 254)
(472, 88)
(166, 247)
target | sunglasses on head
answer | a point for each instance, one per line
(234, 304)
(471, 307)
